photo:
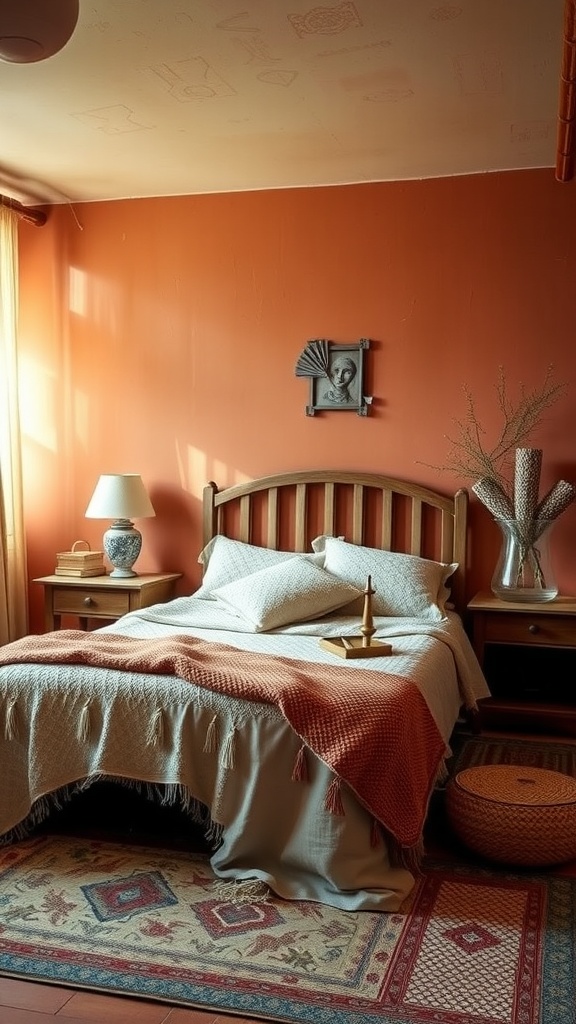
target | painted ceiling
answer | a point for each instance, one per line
(173, 97)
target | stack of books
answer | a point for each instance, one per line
(80, 563)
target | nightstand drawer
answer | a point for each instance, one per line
(103, 597)
(90, 602)
(554, 630)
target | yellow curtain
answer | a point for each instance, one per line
(13, 569)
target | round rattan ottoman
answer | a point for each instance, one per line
(513, 814)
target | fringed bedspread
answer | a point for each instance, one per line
(373, 730)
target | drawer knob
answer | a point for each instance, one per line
(88, 601)
(533, 628)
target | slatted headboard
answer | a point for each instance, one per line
(289, 509)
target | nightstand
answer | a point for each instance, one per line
(528, 654)
(101, 597)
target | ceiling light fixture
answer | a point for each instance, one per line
(32, 30)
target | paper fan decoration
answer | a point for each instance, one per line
(313, 362)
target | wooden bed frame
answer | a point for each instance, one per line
(288, 510)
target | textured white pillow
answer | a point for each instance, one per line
(226, 560)
(405, 584)
(293, 591)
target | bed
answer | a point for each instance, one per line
(310, 773)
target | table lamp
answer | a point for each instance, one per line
(121, 497)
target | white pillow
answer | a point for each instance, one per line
(226, 560)
(293, 591)
(405, 585)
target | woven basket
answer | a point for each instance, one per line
(514, 814)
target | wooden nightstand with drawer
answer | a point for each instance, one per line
(101, 597)
(528, 653)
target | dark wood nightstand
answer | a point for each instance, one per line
(101, 597)
(528, 653)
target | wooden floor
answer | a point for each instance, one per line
(26, 1002)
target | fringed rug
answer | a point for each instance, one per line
(474, 946)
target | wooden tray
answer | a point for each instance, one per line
(355, 647)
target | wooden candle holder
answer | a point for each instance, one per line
(363, 646)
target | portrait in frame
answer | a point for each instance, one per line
(336, 375)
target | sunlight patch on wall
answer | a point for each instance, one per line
(237, 478)
(196, 469)
(39, 412)
(77, 289)
(81, 417)
(93, 298)
(191, 469)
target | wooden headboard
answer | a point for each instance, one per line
(289, 509)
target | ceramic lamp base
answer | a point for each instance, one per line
(122, 544)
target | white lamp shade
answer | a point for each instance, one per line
(120, 496)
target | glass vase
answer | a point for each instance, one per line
(524, 569)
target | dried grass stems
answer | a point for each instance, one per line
(507, 476)
(470, 458)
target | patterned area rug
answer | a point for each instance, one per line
(473, 946)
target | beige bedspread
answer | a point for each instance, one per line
(198, 748)
(373, 730)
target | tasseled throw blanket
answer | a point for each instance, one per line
(375, 731)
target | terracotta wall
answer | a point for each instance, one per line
(160, 336)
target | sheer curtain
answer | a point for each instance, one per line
(13, 571)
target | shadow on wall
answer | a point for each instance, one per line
(172, 540)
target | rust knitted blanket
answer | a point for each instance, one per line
(374, 730)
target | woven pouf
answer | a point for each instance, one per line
(513, 814)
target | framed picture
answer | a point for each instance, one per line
(336, 375)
